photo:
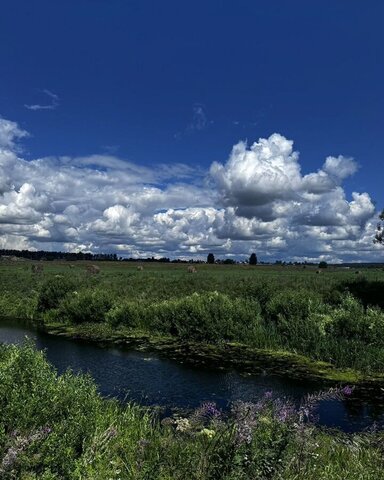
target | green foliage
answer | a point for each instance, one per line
(276, 307)
(84, 306)
(210, 317)
(52, 291)
(293, 308)
(350, 321)
(297, 317)
(58, 427)
(323, 264)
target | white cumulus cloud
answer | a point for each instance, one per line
(258, 200)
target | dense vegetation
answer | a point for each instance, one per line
(335, 315)
(58, 427)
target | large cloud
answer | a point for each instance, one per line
(258, 200)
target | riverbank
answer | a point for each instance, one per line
(56, 427)
(242, 357)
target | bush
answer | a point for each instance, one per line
(262, 291)
(52, 291)
(129, 314)
(350, 321)
(298, 316)
(200, 317)
(208, 317)
(84, 306)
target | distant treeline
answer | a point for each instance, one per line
(112, 257)
(72, 256)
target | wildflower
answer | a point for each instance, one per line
(208, 433)
(207, 411)
(21, 443)
(347, 391)
(210, 409)
(167, 421)
(182, 424)
(284, 412)
(268, 395)
(246, 418)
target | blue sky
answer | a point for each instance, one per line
(180, 83)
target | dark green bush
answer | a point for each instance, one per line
(52, 291)
(129, 314)
(208, 317)
(261, 291)
(288, 306)
(200, 317)
(297, 317)
(351, 321)
(84, 306)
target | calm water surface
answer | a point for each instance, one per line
(149, 379)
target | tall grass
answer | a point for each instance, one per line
(58, 427)
(336, 316)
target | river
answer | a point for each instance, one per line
(153, 380)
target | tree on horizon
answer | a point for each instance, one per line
(210, 258)
(253, 259)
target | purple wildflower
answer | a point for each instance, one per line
(246, 418)
(285, 411)
(205, 413)
(209, 409)
(268, 395)
(347, 390)
(21, 443)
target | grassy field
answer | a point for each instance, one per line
(334, 316)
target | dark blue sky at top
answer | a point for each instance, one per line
(129, 75)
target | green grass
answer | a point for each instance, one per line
(58, 427)
(335, 317)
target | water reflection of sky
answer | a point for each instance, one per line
(150, 380)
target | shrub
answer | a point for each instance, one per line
(298, 316)
(200, 317)
(350, 321)
(129, 314)
(207, 317)
(84, 306)
(52, 291)
(262, 291)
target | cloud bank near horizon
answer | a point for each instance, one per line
(258, 200)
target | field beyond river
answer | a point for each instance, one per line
(333, 316)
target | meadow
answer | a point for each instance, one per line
(335, 316)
